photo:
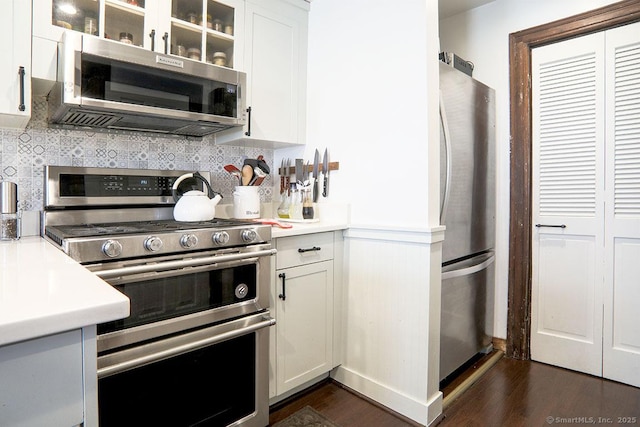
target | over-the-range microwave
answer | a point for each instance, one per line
(107, 84)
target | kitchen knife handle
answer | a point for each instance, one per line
(315, 190)
(283, 295)
(152, 34)
(166, 42)
(248, 132)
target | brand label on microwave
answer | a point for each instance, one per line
(174, 62)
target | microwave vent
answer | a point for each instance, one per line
(82, 118)
(202, 129)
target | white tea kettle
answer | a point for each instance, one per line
(194, 205)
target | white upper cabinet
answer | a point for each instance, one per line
(201, 30)
(275, 60)
(15, 70)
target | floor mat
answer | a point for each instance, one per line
(306, 417)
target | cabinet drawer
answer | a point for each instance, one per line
(301, 250)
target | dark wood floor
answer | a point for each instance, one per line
(512, 393)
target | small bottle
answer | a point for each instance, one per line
(307, 205)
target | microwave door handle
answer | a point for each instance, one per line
(166, 42)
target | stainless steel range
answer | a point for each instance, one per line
(194, 350)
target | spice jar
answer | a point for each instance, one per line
(217, 25)
(220, 58)
(9, 215)
(192, 17)
(181, 50)
(126, 38)
(193, 53)
(228, 29)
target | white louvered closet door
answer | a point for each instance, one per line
(568, 204)
(621, 344)
(586, 178)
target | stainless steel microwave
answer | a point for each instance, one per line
(110, 85)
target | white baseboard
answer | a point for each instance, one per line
(424, 413)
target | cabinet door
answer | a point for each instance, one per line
(42, 382)
(568, 204)
(304, 325)
(15, 70)
(205, 30)
(275, 60)
(621, 347)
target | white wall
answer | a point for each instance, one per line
(373, 100)
(482, 37)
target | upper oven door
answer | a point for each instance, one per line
(170, 295)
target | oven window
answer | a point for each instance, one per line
(213, 386)
(168, 297)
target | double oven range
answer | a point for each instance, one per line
(194, 349)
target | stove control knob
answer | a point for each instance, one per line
(188, 240)
(249, 235)
(221, 238)
(112, 248)
(153, 244)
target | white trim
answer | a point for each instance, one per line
(421, 412)
(396, 234)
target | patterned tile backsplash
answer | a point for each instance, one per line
(23, 155)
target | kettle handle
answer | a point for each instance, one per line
(196, 175)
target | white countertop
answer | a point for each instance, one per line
(43, 291)
(299, 228)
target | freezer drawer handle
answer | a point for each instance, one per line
(551, 226)
(469, 270)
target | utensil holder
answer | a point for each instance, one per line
(246, 202)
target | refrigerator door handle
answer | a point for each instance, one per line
(447, 145)
(469, 270)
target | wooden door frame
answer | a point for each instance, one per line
(520, 46)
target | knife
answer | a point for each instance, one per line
(316, 161)
(287, 177)
(281, 172)
(325, 173)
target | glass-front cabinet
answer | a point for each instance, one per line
(201, 30)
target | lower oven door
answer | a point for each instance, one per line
(215, 376)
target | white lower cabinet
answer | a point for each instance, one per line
(304, 299)
(42, 382)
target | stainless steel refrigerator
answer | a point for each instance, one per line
(467, 140)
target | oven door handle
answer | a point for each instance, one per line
(185, 348)
(183, 263)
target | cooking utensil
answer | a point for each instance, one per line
(258, 174)
(273, 222)
(316, 161)
(325, 173)
(235, 172)
(247, 174)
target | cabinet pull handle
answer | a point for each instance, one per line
(313, 249)
(551, 225)
(21, 73)
(283, 295)
(248, 132)
(166, 43)
(152, 34)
